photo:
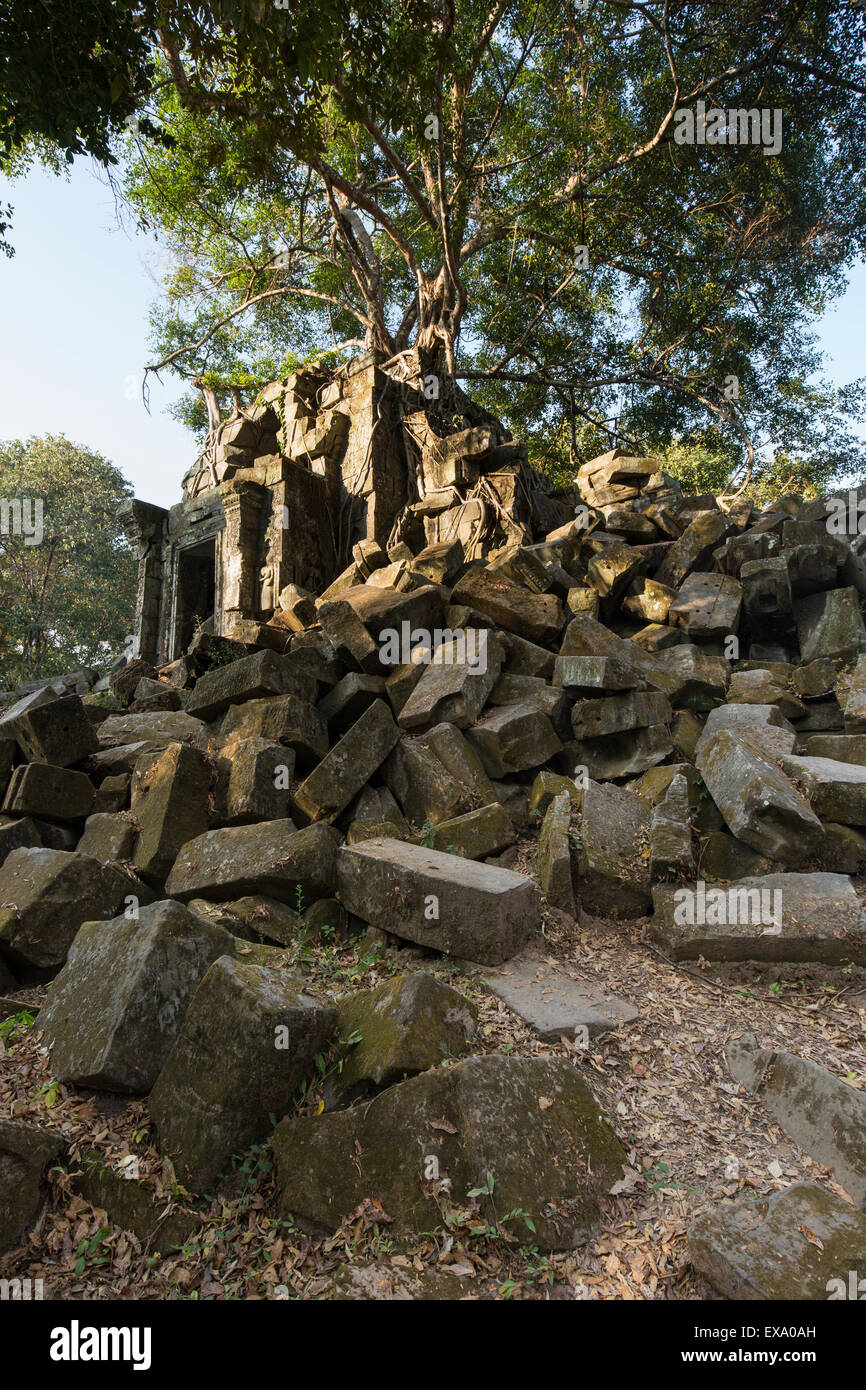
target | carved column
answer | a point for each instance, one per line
(144, 525)
(242, 503)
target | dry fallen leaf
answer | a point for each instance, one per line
(811, 1237)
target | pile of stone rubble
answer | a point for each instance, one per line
(669, 695)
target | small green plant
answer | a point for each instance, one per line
(50, 1092)
(86, 1251)
(485, 1191)
(16, 1023)
(428, 831)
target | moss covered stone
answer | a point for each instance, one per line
(530, 1122)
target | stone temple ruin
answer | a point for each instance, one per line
(660, 761)
(284, 491)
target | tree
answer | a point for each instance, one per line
(500, 190)
(67, 576)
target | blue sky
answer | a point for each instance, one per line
(74, 306)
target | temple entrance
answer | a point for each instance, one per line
(195, 591)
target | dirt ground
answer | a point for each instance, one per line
(694, 1137)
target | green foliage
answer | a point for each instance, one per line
(312, 210)
(71, 74)
(69, 600)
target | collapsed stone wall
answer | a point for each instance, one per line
(285, 489)
(665, 724)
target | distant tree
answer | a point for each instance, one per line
(67, 575)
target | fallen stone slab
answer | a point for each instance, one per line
(612, 569)
(773, 917)
(760, 805)
(404, 1026)
(554, 854)
(348, 699)
(119, 762)
(108, 838)
(584, 636)
(283, 719)
(762, 688)
(545, 787)
(350, 764)
(852, 697)
(254, 917)
(766, 726)
(384, 611)
(842, 748)
(425, 789)
(261, 674)
(613, 852)
(57, 732)
(553, 1003)
(132, 1206)
(46, 894)
(624, 754)
(123, 681)
(353, 645)
(476, 834)
(456, 754)
(249, 1038)
(615, 714)
(114, 1010)
(470, 910)
(671, 849)
(25, 1153)
(526, 658)
(57, 793)
(274, 859)
(537, 618)
(656, 637)
(253, 782)
(692, 678)
(830, 624)
(694, 548)
(170, 803)
(799, 1244)
(824, 1115)
(584, 676)
(722, 857)
(112, 794)
(836, 791)
(650, 601)
(531, 1122)
(32, 700)
(17, 833)
(161, 727)
(514, 738)
(455, 685)
(707, 606)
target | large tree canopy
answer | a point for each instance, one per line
(67, 576)
(500, 188)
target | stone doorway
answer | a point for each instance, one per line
(195, 590)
